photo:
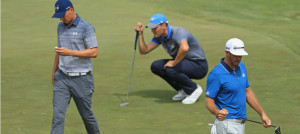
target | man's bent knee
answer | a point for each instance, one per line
(171, 72)
(157, 67)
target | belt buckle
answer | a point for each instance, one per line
(73, 74)
(76, 74)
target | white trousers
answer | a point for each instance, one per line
(227, 127)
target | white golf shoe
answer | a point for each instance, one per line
(180, 96)
(191, 99)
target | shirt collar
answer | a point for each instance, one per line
(76, 21)
(228, 69)
(169, 32)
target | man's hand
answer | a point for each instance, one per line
(170, 63)
(63, 51)
(139, 27)
(266, 121)
(221, 114)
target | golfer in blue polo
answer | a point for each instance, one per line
(228, 90)
(187, 57)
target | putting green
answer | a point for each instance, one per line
(270, 30)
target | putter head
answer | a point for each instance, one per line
(277, 130)
(124, 104)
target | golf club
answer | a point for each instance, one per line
(127, 103)
(277, 129)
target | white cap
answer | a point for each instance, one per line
(236, 47)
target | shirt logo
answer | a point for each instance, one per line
(74, 33)
(56, 8)
(243, 75)
(172, 47)
(207, 93)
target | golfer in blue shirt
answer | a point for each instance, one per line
(228, 90)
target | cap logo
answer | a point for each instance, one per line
(153, 18)
(238, 48)
(56, 8)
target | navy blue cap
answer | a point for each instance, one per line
(61, 6)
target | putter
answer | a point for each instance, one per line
(127, 103)
(277, 129)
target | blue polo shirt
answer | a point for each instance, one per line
(228, 89)
(171, 43)
(79, 36)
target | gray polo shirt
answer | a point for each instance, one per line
(79, 36)
(171, 43)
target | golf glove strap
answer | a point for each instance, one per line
(213, 129)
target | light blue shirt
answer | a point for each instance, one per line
(228, 88)
(79, 36)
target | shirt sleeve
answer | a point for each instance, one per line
(181, 35)
(155, 40)
(213, 85)
(247, 82)
(90, 39)
(58, 37)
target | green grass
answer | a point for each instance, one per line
(270, 30)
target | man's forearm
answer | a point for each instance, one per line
(211, 106)
(55, 64)
(253, 101)
(183, 49)
(142, 45)
(87, 53)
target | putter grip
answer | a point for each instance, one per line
(136, 38)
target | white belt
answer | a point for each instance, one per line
(74, 74)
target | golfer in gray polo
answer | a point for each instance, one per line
(71, 76)
(187, 60)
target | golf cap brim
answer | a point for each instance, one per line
(59, 14)
(239, 52)
(152, 25)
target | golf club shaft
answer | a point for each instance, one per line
(258, 122)
(136, 38)
(130, 76)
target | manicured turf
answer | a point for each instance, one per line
(270, 30)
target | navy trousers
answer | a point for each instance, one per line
(179, 77)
